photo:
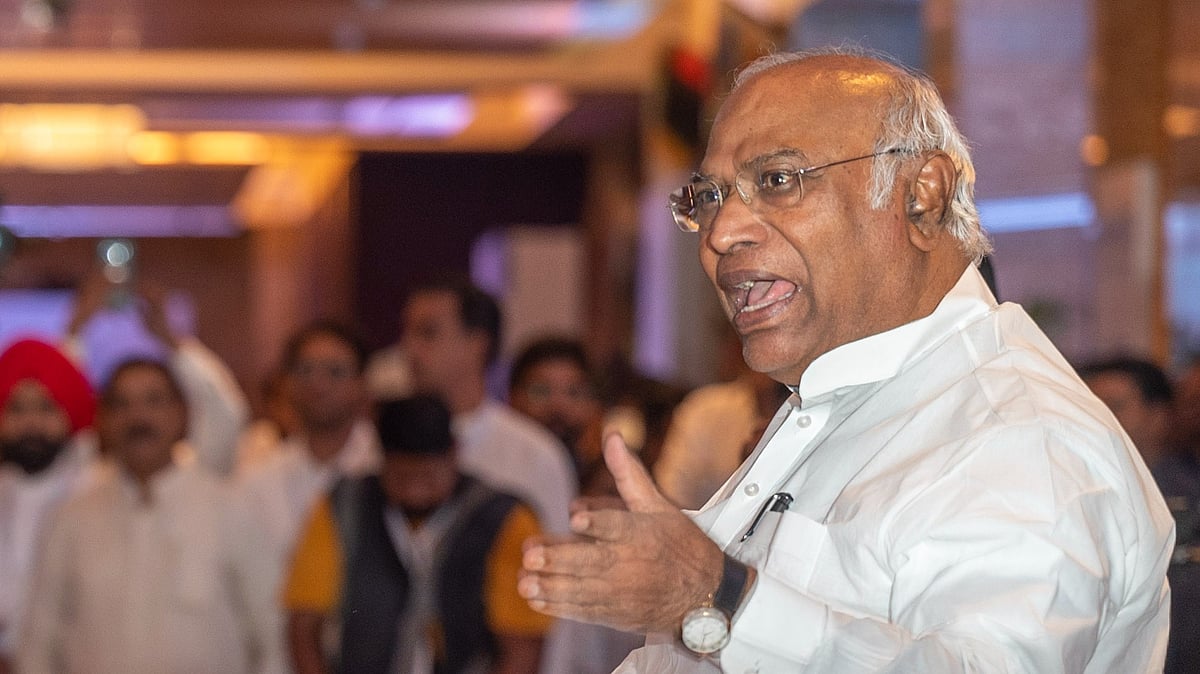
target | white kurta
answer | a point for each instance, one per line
(217, 409)
(513, 454)
(26, 504)
(962, 503)
(284, 486)
(217, 406)
(176, 585)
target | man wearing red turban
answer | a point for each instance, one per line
(48, 452)
(45, 401)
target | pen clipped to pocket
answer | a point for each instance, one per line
(779, 502)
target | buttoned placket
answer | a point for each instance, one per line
(774, 466)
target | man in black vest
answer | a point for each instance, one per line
(418, 566)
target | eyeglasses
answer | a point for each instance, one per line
(769, 182)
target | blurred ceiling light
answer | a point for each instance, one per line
(1181, 121)
(508, 120)
(225, 148)
(543, 105)
(289, 189)
(531, 20)
(430, 116)
(155, 148)
(778, 12)
(489, 119)
(67, 137)
(1093, 150)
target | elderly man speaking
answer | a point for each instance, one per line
(940, 493)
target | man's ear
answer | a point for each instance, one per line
(928, 200)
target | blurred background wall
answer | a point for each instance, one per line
(276, 161)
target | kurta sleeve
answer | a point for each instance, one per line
(217, 406)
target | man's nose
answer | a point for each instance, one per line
(734, 225)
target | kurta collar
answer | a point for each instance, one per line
(883, 355)
(160, 483)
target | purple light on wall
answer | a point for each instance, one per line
(426, 116)
(655, 290)
(131, 221)
(1037, 212)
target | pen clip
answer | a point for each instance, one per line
(779, 502)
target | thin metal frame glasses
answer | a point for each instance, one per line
(768, 182)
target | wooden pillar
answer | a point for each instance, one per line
(296, 274)
(1128, 176)
(1064, 101)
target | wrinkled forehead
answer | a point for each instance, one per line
(822, 109)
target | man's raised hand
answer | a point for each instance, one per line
(637, 570)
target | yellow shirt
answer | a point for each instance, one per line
(314, 582)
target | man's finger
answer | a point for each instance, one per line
(577, 559)
(604, 525)
(583, 594)
(597, 614)
(546, 540)
(634, 483)
(585, 503)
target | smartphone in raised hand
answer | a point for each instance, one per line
(117, 262)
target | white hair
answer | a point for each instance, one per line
(915, 119)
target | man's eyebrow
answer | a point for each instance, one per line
(783, 152)
(788, 152)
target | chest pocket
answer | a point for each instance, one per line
(788, 546)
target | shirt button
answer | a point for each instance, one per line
(804, 421)
(751, 489)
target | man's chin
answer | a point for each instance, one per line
(776, 364)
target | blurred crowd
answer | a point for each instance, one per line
(1162, 417)
(369, 518)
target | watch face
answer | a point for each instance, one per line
(705, 630)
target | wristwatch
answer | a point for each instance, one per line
(706, 628)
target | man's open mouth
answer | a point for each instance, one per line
(751, 296)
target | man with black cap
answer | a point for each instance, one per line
(418, 564)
